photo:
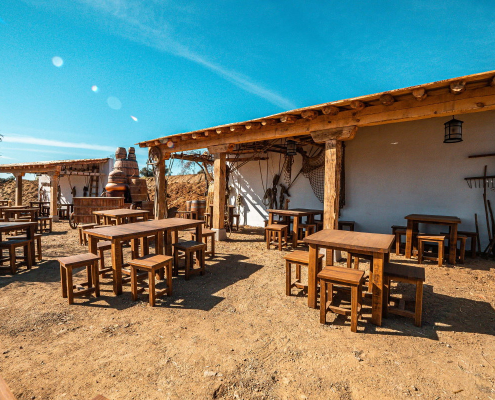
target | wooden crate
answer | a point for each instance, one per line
(84, 207)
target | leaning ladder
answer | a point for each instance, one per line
(93, 186)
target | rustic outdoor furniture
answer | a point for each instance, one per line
(83, 239)
(17, 212)
(37, 238)
(118, 234)
(153, 265)
(120, 216)
(102, 246)
(407, 274)
(297, 258)
(187, 214)
(207, 233)
(462, 249)
(45, 224)
(39, 205)
(398, 233)
(277, 235)
(11, 246)
(28, 227)
(346, 224)
(435, 239)
(474, 239)
(374, 244)
(343, 277)
(306, 229)
(413, 220)
(67, 265)
(297, 214)
(190, 248)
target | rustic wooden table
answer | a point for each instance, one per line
(29, 227)
(11, 212)
(134, 231)
(120, 215)
(412, 225)
(375, 244)
(296, 214)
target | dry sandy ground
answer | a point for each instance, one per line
(233, 334)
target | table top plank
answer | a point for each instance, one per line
(8, 226)
(121, 212)
(433, 218)
(351, 240)
(296, 212)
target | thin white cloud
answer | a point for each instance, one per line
(142, 23)
(8, 158)
(32, 140)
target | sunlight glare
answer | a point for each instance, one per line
(114, 103)
(134, 118)
(94, 88)
(57, 61)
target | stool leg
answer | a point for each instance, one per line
(440, 254)
(267, 235)
(280, 240)
(102, 259)
(354, 308)
(151, 285)
(176, 262)
(96, 278)
(12, 260)
(356, 262)
(27, 254)
(349, 260)
(386, 296)
(169, 278)
(63, 279)
(40, 254)
(188, 259)
(212, 240)
(419, 304)
(80, 236)
(203, 262)
(323, 302)
(134, 293)
(70, 285)
(288, 277)
(298, 272)
(462, 251)
(420, 251)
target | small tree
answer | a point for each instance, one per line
(147, 172)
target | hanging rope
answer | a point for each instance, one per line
(314, 169)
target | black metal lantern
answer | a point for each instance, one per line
(291, 148)
(453, 131)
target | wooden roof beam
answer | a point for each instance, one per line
(309, 114)
(457, 87)
(330, 110)
(419, 94)
(387, 99)
(253, 125)
(344, 133)
(288, 118)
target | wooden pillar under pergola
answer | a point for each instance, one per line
(18, 188)
(219, 185)
(54, 178)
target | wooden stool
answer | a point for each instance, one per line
(474, 239)
(63, 213)
(102, 246)
(11, 245)
(346, 224)
(306, 229)
(343, 277)
(319, 225)
(37, 237)
(353, 259)
(189, 248)
(153, 265)
(439, 240)
(278, 233)
(407, 274)
(298, 258)
(462, 250)
(45, 224)
(398, 233)
(207, 233)
(236, 218)
(83, 238)
(67, 264)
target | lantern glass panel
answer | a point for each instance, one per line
(291, 148)
(453, 131)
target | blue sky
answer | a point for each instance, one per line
(177, 66)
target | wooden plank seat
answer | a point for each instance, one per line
(276, 234)
(11, 246)
(352, 278)
(297, 258)
(83, 238)
(474, 240)
(37, 238)
(45, 224)
(190, 248)
(435, 239)
(155, 264)
(68, 264)
(406, 274)
(206, 233)
(346, 224)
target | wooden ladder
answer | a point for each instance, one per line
(93, 186)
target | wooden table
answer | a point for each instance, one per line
(29, 227)
(375, 244)
(134, 231)
(13, 212)
(69, 206)
(297, 214)
(39, 204)
(120, 215)
(412, 225)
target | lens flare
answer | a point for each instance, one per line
(57, 61)
(134, 118)
(94, 88)
(114, 103)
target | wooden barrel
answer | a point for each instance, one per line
(139, 189)
(120, 153)
(188, 205)
(130, 168)
(199, 206)
(131, 154)
(84, 207)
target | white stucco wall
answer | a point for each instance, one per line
(386, 181)
(76, 181)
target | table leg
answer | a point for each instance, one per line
(199, 232)
(168, 242)
(159, 243)
(452, 243)
(409, 237)
(134, 248)
(312, 273)
(117, 266)
(30, 236)
(295, 232)
(92, 244)
(377, 289)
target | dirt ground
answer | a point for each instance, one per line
(29, 190)
(234, 334)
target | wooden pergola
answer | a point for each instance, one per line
(327, 124)
(55, 169)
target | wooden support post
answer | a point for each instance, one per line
(54, 195)
(160, 190)
(219, 181)
(18, 188)
(333, 170)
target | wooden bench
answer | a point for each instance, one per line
(276, 234)
(11, 246)
(153, 265)
(439, 240)
(406, 274)
(189, 248)
(343, 277)
(297, 258)
(67, 265)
